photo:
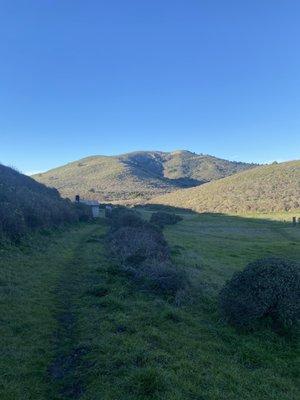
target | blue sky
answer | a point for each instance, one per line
(83, 77)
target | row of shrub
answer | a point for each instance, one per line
(27, 205)
(266, 290)
(143, 252)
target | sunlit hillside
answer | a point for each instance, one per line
(268, 188)
(137, 176)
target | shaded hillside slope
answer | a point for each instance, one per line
(136, 176)
(26, 204)
(268, 188)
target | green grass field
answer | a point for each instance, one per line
(73, 326)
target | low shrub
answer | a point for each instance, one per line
(266, 288)
(161, 277)
(121, 217)
(162, 218)
(135, 244)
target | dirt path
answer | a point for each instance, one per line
(63, 372)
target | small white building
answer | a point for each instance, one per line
(94, 204)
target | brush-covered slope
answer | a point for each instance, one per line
(267, 188)
(136, 176)
(26, 204)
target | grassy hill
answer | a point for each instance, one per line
(136, 176)
(266, 188)
(26, 204)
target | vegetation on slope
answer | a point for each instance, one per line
(89, 332)
(137, 176)
(269, 188)
(26, 204)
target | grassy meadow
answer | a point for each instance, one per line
(74, 326)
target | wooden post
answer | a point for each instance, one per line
(294, 221)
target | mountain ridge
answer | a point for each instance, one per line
(137, 176)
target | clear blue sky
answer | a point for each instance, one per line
(83, 77)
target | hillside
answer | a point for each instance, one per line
(136, 176)
(26, 204)
(268, 188)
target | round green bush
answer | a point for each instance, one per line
(162, 277)
(266, 288)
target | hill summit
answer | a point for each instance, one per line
(137, 176)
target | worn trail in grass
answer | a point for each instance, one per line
(42, 282)
(63, 371)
